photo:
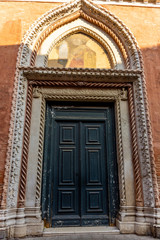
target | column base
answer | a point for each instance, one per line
(155, 230)
(134, 227)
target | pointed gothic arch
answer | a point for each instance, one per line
(32, 76)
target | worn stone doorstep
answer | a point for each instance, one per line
(80, 230)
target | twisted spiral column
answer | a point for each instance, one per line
(135, 158)
(22, 188)
(40, 154)
(78, 84)
(121, 157)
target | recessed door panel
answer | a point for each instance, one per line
(92, 134)
(66, 200)
(67, 166)
(67, 134)
(94, 201)
(93, 166)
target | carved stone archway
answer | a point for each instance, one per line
(32, 76)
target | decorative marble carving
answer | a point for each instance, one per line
(24, 161)
(81, 8)
(143, 145)
(124, 94)
(120, 155)
(40, 153)
(81, 26)
(36, 92)
(135, 159)
(14, 150)
(13, 140)
(149, 132)
(81, 74)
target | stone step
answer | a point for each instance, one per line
(80, 231)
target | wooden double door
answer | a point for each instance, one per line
(80, 183)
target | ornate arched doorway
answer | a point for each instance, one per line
(80, 53)
(80, 178)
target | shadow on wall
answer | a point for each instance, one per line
(8, 58)
(151, 57)
(10, 37)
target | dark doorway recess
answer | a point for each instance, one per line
(80, 177)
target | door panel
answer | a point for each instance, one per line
(67, 134)
(79, 167)
(65, 181)
(94, 176)
(67, 166)
(93, 166)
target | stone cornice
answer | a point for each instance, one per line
(80, 74)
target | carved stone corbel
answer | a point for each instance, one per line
(124, 94)
(37, 92)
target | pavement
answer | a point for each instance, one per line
(91, 237)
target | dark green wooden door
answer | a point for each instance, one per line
(78, 166)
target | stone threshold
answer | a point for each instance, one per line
(80, 230)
